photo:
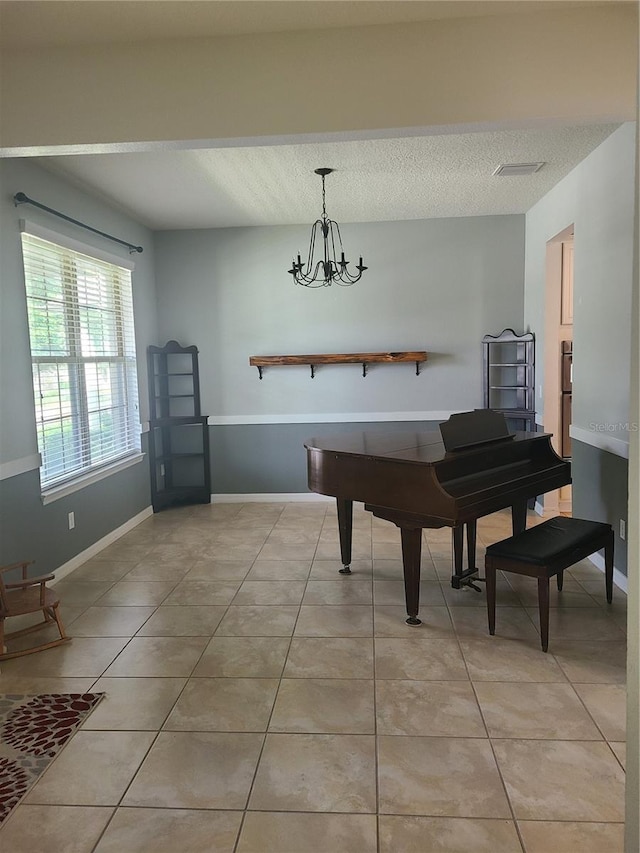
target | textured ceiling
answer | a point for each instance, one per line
(418, 177)
(69, 22)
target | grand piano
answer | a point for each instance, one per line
(472, 467)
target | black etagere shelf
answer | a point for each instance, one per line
(178, 431)
(509, 376)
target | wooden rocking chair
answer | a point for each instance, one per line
(21, 597)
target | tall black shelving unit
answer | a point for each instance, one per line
(178, 432)
(509, 376)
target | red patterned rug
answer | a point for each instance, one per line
(33, 730)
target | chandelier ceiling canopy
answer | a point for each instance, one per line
(331, 266)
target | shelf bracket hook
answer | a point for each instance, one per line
(312, 370)
(260, 371)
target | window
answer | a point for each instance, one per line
(83, 358)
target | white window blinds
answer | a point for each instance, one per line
(83, 357)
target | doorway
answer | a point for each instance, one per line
(558, 357)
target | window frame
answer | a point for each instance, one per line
(129, 431)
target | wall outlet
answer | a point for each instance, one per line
(72, 520)
(623, 528)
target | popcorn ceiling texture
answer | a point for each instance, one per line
(375, 180)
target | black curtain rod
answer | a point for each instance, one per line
(21, 198)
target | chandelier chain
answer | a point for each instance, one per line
(324, 204)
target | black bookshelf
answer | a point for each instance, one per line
(178, 431)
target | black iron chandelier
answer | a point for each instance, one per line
(329, 269)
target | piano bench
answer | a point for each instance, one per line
(544, 551)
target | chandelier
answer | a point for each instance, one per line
(328, 269)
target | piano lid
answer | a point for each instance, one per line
(426, 448)
(410, 445)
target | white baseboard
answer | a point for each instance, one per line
(619, 579)
(550, 512)
(100, 545)
(270, 497)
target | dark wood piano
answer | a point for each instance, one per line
(472, 467)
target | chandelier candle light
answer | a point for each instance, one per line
(329, 270)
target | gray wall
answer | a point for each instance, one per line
(435, 285)
(271, 458)
(29, 529)
(598, 196)
(600, 491)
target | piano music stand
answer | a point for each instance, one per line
(470, 429)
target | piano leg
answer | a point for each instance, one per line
(471, 546)
(411, 526)
(462, 578)
(458, 548)
(345, 527)
(519, 517)
(411, 553)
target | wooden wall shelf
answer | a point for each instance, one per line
(363, 358)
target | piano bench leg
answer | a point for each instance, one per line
(490, 577)
(543, 611)
(345, 570)
(413, 620)
(608, 571)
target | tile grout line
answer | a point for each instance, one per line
(268, 722)
(281, 678)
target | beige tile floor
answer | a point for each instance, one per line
(259, 702)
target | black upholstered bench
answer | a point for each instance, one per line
(546, 550)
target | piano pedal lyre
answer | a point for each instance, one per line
(468, 577)
(472, 583)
